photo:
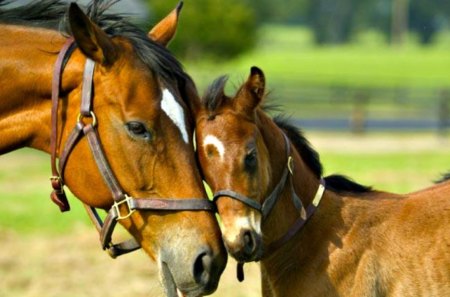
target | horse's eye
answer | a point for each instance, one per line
(138, 129)
(250, 160)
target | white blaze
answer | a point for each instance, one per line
(214, 141)
(175, 112)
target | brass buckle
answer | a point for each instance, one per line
(116, 205)
(57, 178)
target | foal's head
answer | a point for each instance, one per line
(234, 155)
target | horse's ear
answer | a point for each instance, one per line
(91, 40)
(165, 30)
(252, 92)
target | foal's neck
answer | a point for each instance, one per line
(26, 75)
(303, 181)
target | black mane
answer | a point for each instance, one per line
(335, 182)
(444, 178)
(53, 14)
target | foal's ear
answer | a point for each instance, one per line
(252, 92)
(91, 40)
(165, 30)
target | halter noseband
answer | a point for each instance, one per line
(86, 126)
(266, 207)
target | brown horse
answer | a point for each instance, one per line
(314, 236)
(131, 137)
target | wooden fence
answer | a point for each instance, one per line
(365, 109)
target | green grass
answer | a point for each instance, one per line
(288, 56)
(25, 205)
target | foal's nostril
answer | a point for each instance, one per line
(202, 268)
(249, 242)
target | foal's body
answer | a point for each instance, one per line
(376, 244)
(357, 243)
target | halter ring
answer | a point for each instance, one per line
(92, 115)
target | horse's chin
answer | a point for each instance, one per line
(168, 282)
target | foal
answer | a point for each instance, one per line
(314, 236)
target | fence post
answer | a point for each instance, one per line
(444, 113)
(358, 117)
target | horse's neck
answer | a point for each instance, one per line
(26, 73)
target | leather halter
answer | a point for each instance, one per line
(86, 126)
(266, 207)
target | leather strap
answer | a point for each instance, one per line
(298, 224)
(58, 196)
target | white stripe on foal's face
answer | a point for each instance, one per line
(216, 143)
(175, 112)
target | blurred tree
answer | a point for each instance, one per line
(428, 16)
(281, 11)
(335, 21)
(332, 20)
(211, 28)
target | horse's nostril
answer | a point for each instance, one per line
(202, 268)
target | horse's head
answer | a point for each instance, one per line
(234, 156)
(144, 123)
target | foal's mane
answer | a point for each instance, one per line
(53, 14)
(215, 97)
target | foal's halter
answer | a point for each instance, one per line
(86, 126)
(266, 207)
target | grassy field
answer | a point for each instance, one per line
(53, 254)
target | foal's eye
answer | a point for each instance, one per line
(250, 160)
(138, 129)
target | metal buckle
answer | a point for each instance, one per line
(94, 118)
(116, 205)
(58, 179)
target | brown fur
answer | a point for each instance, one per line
(125, 90)
(364, 243)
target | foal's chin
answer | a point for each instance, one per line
(246, 247)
